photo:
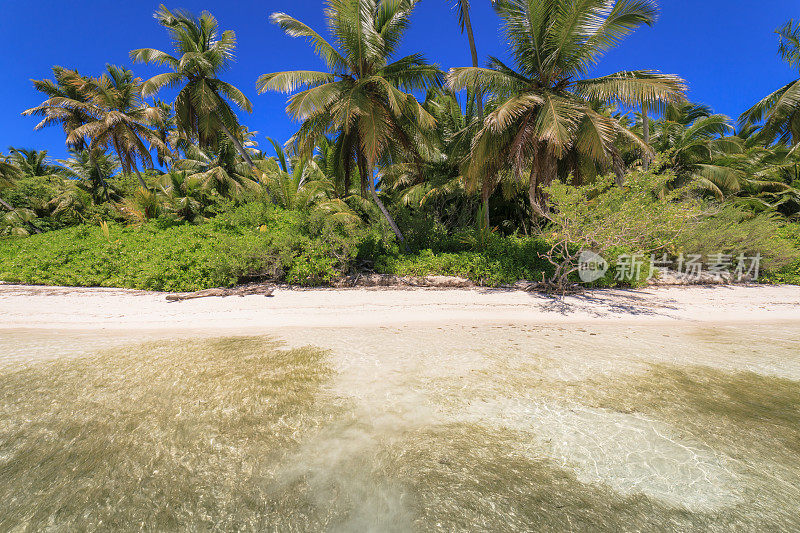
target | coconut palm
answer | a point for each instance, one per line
(119, 119)
(219, 172)
(202, 108)
(145, 204)
(8, 172)
(462, 8)
(293, 182)
(360, 99)
(18, 222)
(8, 175)
(465, 22)
(34, 163)
(700, 146)
(695, 140)
(437, 183)
(183, 195)
(765, 177)
(327, 159)
(779, 112)
(546, 105)
(59, 90)
(69, 205)
(92, 169)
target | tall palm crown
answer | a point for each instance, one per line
(546, 104)
(779, 112)
(61, 88)
(361, 99)
(201, 54)
(120, 119)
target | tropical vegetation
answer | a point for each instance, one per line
(497, 171)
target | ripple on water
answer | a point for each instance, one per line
(630, 453)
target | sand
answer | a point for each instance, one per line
(668, 408)
(61, 308)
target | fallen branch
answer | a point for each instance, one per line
(244, 290)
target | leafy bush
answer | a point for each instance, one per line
(248, 243)
(611, 220)
(258, 240)
(791, 272)
(641, 218)
(732, 230)
(502, 262)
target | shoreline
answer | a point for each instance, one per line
(77, 308)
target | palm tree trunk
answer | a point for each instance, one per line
(485, 186)
(366, 168)
(142, 183)
(646, 136)
(128, 164)
(485, 193)
(238, 145)
(472, 48)
(543, 172)
(619, 167)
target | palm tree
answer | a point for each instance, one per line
(143, 205)
(93, 169)
(119, 118)
(361, 98)
(465, 22)
(779, 112)
(58, 91)
(695, 140)
(546, 107)
(34, 163)
(182, 194)
(201, 107)
(18, 223)
(166, 131)
(328, 160)
(219, 172)
(437, 183)
(293, 182)
(8, 175)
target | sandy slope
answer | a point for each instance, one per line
(76, 308)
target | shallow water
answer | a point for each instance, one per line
(509, 427)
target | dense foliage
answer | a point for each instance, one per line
(497, 173)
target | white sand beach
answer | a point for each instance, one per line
(65, 308)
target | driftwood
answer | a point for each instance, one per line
(388, 280)
(244, 290)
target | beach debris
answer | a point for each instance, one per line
(243, 290)
(389, 280)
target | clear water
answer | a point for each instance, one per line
(509, 427)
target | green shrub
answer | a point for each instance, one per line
(643, 218)
(248, 243)
(259, 241)
(503, 262)
(791, 272)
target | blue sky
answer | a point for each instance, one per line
(725, 49)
